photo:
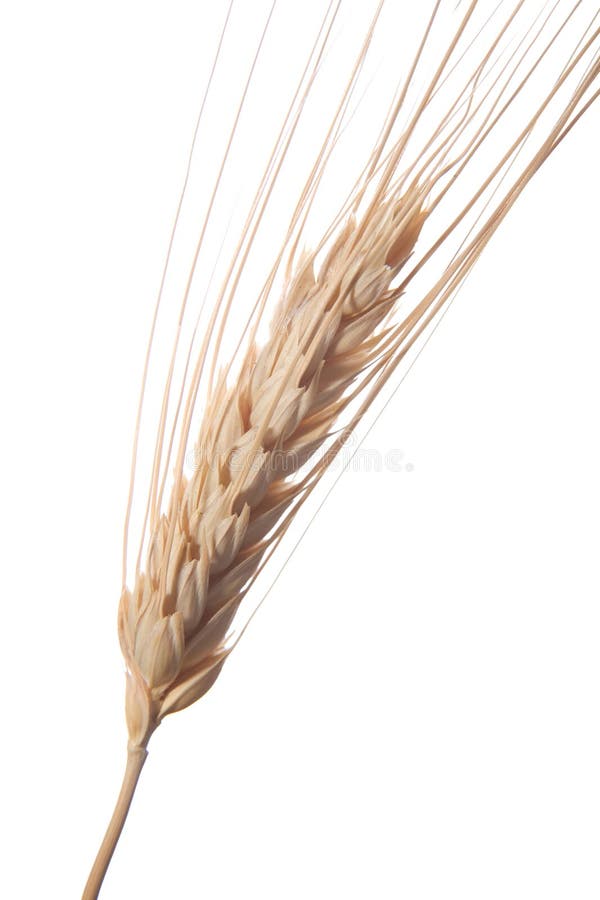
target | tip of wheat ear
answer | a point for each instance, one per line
(255, 437)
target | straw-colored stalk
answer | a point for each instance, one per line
(334, 342)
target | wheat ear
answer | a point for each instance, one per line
(333, 340)
(205, 551)
(255, 436)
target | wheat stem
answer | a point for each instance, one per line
(136, 757)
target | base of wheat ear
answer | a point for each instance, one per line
(334, 341)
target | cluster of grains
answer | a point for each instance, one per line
(255, 437)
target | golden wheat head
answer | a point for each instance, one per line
(336, 336)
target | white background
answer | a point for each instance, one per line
(414, 711)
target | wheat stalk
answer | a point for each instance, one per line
(334, 341)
